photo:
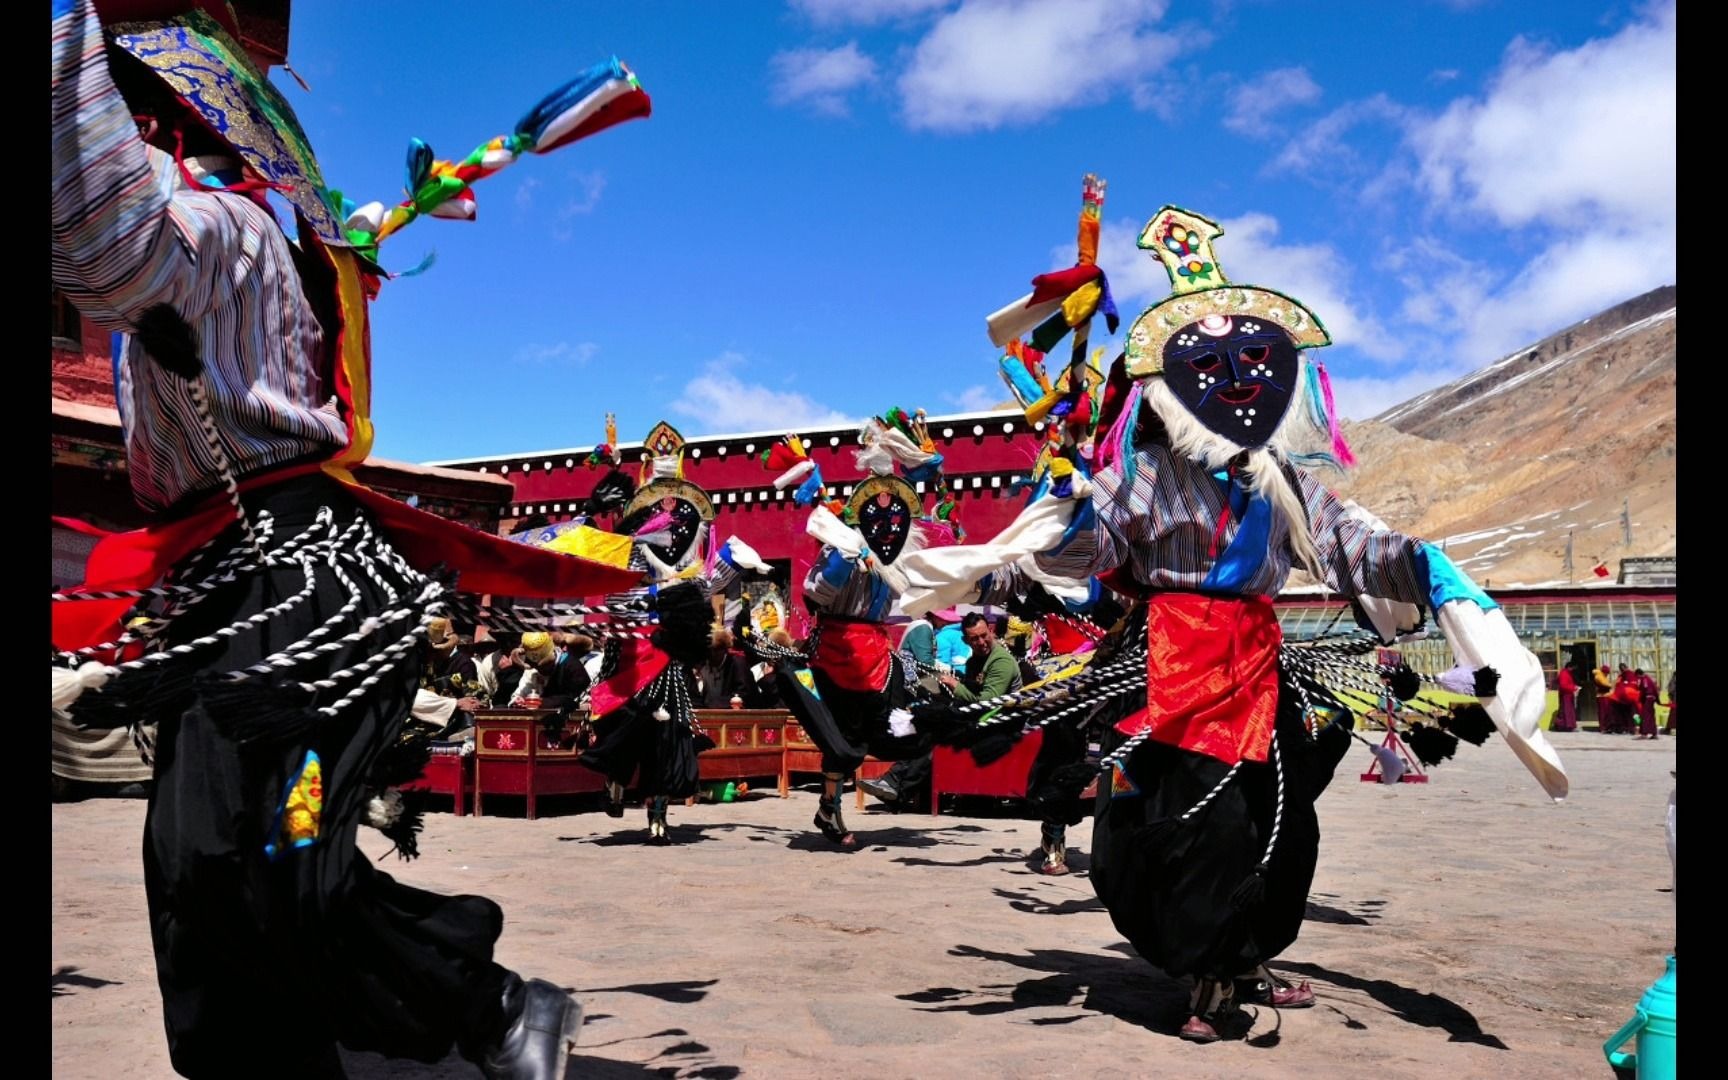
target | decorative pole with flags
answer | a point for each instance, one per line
(1086, 254)
(1569, 575)
(1061, 301)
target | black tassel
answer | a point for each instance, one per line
(1405, 683)
(404, 832)
(684, 618)
(140, 696)
(942, 723)
(1469, 722)
(610, 494)
(995, 742)
(405, 760)
(1075, 774)
(1251, 891)
(257, 712)
(1487, 682)
(1037, 603)
(1430, 745)
(169, 340)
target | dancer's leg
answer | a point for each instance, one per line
(828, 817)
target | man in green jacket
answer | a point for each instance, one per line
(991, 671)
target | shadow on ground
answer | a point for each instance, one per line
(68, 977)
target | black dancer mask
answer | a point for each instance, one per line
(885, 520)
(1236, 373)
(686, 521)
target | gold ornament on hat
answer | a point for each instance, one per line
(1182, 241)
(662, 474)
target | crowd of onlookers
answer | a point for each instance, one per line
(1625, 704)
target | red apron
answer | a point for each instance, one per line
(1211, 675)
(638, 663)
(853, 652)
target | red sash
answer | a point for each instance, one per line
(638, 663)
(1211, 675)
(853, 653)
(140, 559)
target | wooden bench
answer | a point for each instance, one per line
(513, 755)
(450, 772)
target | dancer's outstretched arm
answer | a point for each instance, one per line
(1361, 560)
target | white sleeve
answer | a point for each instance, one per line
(429, 708)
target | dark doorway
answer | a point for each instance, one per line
(1580, 656)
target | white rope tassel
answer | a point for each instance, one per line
(1278, 807)
(224, 468)
(68, 684)
(384, 809)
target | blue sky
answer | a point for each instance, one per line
(832, 194)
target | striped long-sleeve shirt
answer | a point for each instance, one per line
(130, 234)
(1165, 528)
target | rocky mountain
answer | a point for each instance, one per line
(1554, 440)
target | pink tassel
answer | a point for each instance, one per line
(938, 534)
(1340, 448)
(1107, 453)
(654, 524)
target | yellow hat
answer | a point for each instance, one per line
(440, 634)
(537, 648)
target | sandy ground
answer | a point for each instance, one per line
(1463, 928)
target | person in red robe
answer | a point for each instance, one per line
(1566, 717)
(1647, 695)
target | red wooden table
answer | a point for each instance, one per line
(513, 755)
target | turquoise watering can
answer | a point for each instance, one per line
(1653, 1024)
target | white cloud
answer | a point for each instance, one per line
(718, 400)
(561, 353)
(1249, 252)
(1254, 104)
(525, 192)
(1572, 279)
(821, 78)
(996, 62)
(977, 398)
(1577, 150)
(865, 12)
(583, 195)
(1321, 144)
(1586, 137)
